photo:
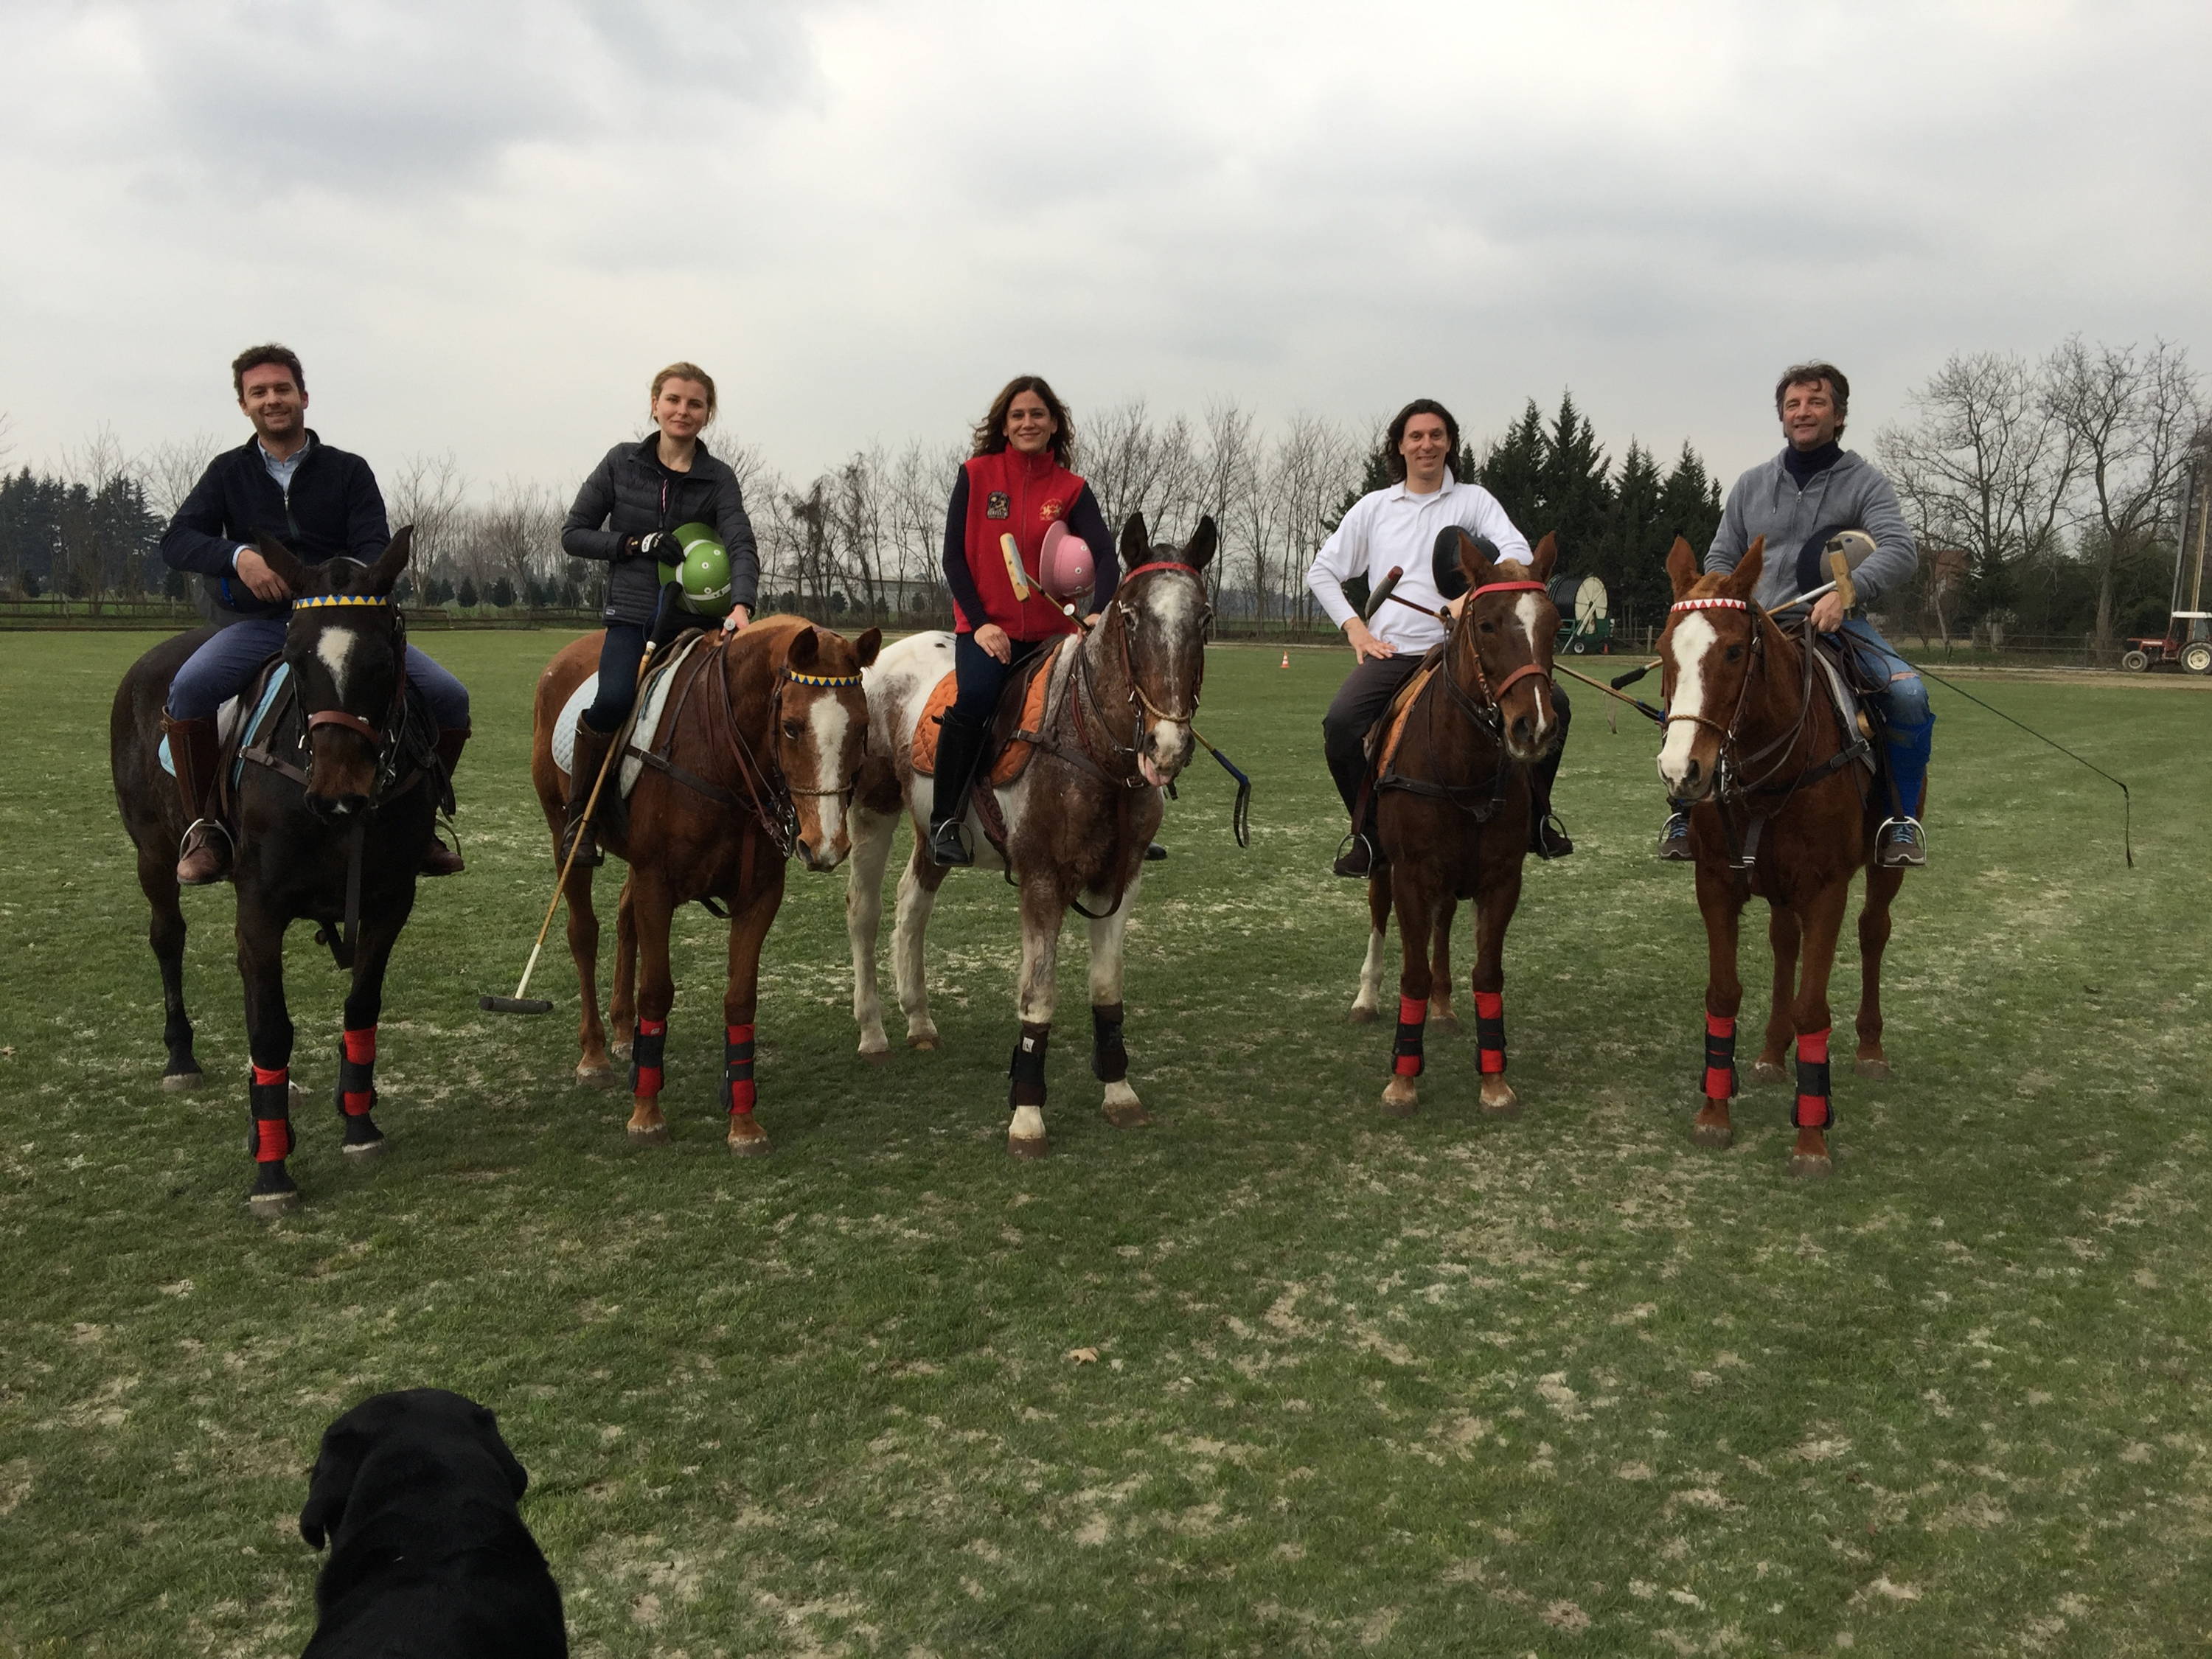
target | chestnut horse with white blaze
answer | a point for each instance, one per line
(1452, 755)
(1782, 810)
(1115, 730)
(752, 763)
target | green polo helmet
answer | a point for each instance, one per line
(704, 575)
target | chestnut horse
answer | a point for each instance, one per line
(1452, 809)
(1782, 810)
(753, 762)
(332, 808)
(1115, 732)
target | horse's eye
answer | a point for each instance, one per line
(1487, 627)
(1735, 653)
(792, 729)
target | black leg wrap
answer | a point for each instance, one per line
(1027, 1068)
(1489, 1032)
(647, 1052)
(1406, 1052)
(1109, 1060)
(271, 1103)
(355, 1077)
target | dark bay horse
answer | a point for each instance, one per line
(752, 763)
(333, 810)
(1115, 732)
(1762, 753)
(1452, 815)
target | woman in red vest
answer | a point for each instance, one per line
(1017, 484)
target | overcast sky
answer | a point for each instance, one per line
(483, 226)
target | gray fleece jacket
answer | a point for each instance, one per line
(1852, 495)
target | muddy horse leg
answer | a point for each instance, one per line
(1440, 973)
(269, 1039)
(646, 906)
(624, 1010)
(1823, 920)
(1495, 902)
(1417, 920)
(917, 897)
(1873, 939)
(1043, 910)
(355, 1096)
(157, 876)
(1366, 1005)
(1721, 902)
(1783, 937)
(740, 1005)
(872, 836)
(593, 1064)
(1110, 1060)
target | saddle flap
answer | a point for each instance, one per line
(652, 702)
(1839, 674)
(1383, 737)
(1021, 708)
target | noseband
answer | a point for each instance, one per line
(1137, 698)
(1487, 712)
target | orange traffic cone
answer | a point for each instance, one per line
(1286, 660)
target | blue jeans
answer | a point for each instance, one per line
(1912, 723)
(980, 677)
(220, 668)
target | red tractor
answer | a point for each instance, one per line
(2187, 646)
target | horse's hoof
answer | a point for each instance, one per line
(1507, 1106)
(1127, 1114)
(1400, 1097)
(749, 1140)
(878, 1057)
(595, 1077)
(655, 1136)
(1767, 1071)
(1811, 1168)
(267, 1207)
(619, 1050)
(1026, 1146)
(1443, 1019)
(1718, 1136)
(926, 1042)
(1874, 1068)
(1362, 1015)
(364, 1152)
(177, 1082)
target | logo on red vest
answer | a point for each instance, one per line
(1050, 510)
(999, 506)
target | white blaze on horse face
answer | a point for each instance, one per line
(1692, 639)
(334, 647)
(1528, 613)
(827, 722)
(1170, 616)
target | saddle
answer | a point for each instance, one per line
(1390, 728)
(1856, 700)
(641, 739)
(1019, 716)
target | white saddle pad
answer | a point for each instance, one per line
(641, 734)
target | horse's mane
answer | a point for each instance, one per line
(336, 575)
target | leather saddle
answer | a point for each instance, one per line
(1021, 708)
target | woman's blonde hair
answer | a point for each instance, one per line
(684, 372)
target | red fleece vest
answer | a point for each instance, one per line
(1011, 492)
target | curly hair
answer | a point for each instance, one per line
(260, 356)
(1812, 374)
(991, 431)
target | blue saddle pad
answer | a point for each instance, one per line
(253, 724)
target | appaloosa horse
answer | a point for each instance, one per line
(1452, 755)
(1783, 811)
(1115, 729)
(752, 762)
(332, 809)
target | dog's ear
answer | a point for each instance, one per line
(330, 1483)
(518, 1477)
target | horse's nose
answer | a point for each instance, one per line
(334, 807)
(1693, 773)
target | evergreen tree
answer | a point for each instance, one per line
(1690, 503)
(1514, 470)
(502, 592)
(1633, 554)
(466, 593)
(1574, 497)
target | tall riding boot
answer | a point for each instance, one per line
(1547, 836)
(959, 747)
(196, 750)
(583, 772)
(438, 859)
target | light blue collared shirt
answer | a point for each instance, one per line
(282, 471)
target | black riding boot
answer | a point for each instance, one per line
(583, 772)
(959, 747)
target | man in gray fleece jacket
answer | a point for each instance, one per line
(1811, 491)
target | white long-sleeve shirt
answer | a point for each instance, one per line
(1396, 528)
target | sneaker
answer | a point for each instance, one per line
(1674, 841)
(1154, 852)
(1901, 844)
(948, 846)
(1549, 839)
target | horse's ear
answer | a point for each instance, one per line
(1462, 561)
(1547, 557)
(378, 578)
(279, 558)
(1136, 543)
(1682, 566)
(1203, 542)
(805, 651)
(867, 645)
(1741, 580)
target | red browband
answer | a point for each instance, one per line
(1160, 564)
(1709, 604)
(1509, 588)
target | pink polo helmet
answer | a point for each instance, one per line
(1064, 564)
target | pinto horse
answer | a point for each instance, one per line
(752, 763)
(1115, 732)
(1782, 810)
(333, 806)
(1452, 755)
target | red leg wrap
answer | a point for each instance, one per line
(646, 1048)
(1720, 1056)
(1489, 1030)
(360, 1056)
(1813, 1109)
(1412, 1017)
(738, 1067)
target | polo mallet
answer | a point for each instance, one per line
(1641, 708)
(519, 1004)
(1386, 589)
(1014, 571)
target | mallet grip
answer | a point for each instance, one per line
(1840, 568)
(1382, 592)
(1014, 571)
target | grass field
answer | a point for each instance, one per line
(1563, 1385)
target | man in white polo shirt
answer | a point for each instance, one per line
(1396, 528)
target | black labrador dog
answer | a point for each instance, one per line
(416, 1493)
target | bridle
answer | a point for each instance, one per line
(768, 791)
(1733, 763)
(1487, 712)
(1137, 699)
(383, 740)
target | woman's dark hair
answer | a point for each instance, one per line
(1812, 374)
(1397, 435)
(991, 430)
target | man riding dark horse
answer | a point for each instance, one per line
(1814, 491)
(321, 503)
(1397, 529)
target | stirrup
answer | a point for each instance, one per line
(1901, 844)
(588, 856)
(1356, 856)
(1548, 838)
(948, 846)
(1674, 841)
(196, 838)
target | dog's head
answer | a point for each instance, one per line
(427, 1419)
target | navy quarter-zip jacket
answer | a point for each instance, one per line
(333, 508)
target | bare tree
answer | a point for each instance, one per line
(429, 492)
(2131, 415)
(92, 468)
(171, 467)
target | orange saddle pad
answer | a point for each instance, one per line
(1014, 757)
(1392, 727)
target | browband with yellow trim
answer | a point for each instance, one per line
(798, 678)
(328, 601)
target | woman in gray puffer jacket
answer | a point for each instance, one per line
(627, 513)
